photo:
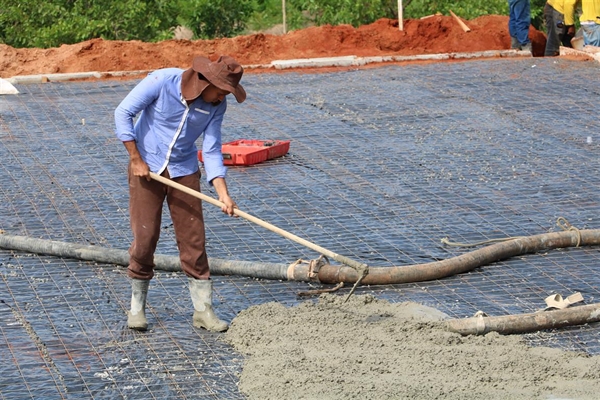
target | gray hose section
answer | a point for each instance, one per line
(121, 257)
(524, 323)
(510, 324)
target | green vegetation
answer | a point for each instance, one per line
(215, 18)
(31, 23)
(356, 13)
(52, 23)
(300, 13)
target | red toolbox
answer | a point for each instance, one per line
(248, 152)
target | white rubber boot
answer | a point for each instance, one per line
(136, 316)
(204, 316)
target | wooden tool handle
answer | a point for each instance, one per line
(258, 221)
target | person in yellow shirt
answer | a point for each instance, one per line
(590, 22)
(560, 25)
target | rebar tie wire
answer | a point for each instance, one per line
(566, 226)
(313, 270)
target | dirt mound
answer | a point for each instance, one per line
(437, 34)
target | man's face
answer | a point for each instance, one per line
(213, 94)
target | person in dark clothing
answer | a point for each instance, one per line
(560, 25)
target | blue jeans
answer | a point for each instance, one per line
(519, 20)
(591, 34)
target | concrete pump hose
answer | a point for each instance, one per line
(331, 274)
(541, 320)
(470, 326)
(463, 263)
(121, 257)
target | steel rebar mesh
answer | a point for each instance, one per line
(383, 163)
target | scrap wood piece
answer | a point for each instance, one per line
(460, 22)
(556, 301)
(432, 15)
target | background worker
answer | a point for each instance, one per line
(175, 108)
(560, 25)
(590, 22)
(519, 19)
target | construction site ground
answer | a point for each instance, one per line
(384, 162)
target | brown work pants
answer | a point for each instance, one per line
(146, 200)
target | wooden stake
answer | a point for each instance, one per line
(400, 16)
(284, 16)
(460, 22)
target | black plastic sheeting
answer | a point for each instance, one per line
(383, 164)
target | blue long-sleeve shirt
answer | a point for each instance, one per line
(167, 128)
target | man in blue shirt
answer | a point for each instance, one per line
(174, 107)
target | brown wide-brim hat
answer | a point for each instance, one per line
(225, 73)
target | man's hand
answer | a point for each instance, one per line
(228, 203)
(140, 168)
(136, 163)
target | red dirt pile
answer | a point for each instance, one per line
(432, 35)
